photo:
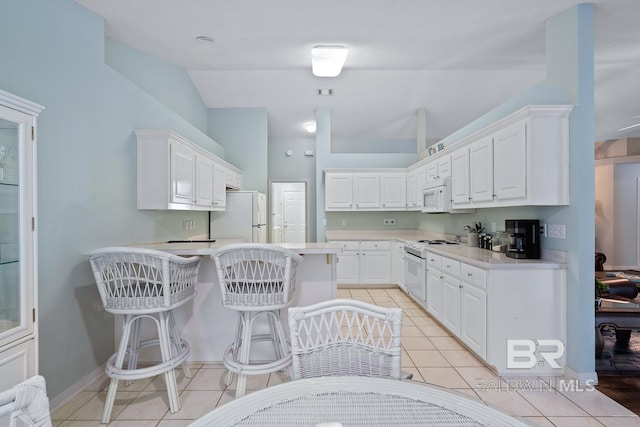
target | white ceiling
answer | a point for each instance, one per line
(458, 59)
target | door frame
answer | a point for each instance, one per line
(271, 210)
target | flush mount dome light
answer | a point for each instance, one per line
(310, 127)
(327, 61)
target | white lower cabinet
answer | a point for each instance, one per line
(366, 262)
(397, 264)
(487, 308)
(17, 363)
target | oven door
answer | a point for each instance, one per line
(414, 276)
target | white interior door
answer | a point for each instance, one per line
(294, 212)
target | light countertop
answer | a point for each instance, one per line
(206, 248)
(481, 258)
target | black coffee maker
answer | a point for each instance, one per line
(524, 238)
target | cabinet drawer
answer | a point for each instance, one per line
(451, 267)
(434, 260)
(474, 275)
(348, 245)
(375, 245)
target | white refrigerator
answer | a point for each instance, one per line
(245, 218)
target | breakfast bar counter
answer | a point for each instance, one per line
(208, 326)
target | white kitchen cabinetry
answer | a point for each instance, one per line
(520, 160)
(473, 308)
(485, 308)
(375, 262)
(397, 264)
(460, 192)
(18, 237)
(366, 190)
(438, 169)
(393, 191)
(412, 191)
(434, 285)
(364, 262)
(176, 174)
(219, 199)
(352, 191)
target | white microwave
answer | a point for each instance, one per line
(437, 198)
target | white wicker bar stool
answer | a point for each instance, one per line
(144, 284)
(345, 337)
(256, 280)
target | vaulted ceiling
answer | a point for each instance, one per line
(458, 59)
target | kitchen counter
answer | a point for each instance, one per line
(208, 326)
(206, 248)
(484, 258)
(478, 257)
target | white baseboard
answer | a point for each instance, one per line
(584, 378)
(62, 398)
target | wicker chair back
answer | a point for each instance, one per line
(345, 337)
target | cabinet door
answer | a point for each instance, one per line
(204, 181)
(473, 319)
(421, 183)
(510, 162)
(397, 264)
(444, 167)
(412, 191)
(431, 170)
(339, 191)
(451, 304)
(219, 188)
(481, 170)
(348, 268)
(393, 191)
(17, 364)
(460, 176)
(434, 292)
(375, 267)
(366, 190)
(183, 160)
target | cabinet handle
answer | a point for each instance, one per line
(469, 274)
(469, 198)
(460, 286)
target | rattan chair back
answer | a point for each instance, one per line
(26, 404)
(345, 337)
(256, 276)
(137, 280)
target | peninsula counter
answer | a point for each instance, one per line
(208, 326)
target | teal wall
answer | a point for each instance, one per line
(53, 54)
(180, 95)
(296, 168)
(243, 133)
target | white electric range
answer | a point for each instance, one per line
(415, 275)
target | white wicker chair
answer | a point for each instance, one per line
(256, 280)
(26, 404)
(145, 284)
(345, 337)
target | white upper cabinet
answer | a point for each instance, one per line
(510, 158)
(438, 169)
(366, 190)
(393, 190)
(176, 174)
(412, 191)
(339, 191)
(522, 160)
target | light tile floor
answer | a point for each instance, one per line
(429, 352)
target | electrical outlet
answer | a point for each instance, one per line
(543, 230)
(556, 231)
(389, 221)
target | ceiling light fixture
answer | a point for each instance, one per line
(205, 39)
(327, 61)
(310, 127)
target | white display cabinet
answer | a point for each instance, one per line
(18, 237)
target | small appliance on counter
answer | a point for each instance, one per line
(523, 238)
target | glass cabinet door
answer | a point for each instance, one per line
(16, 230)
